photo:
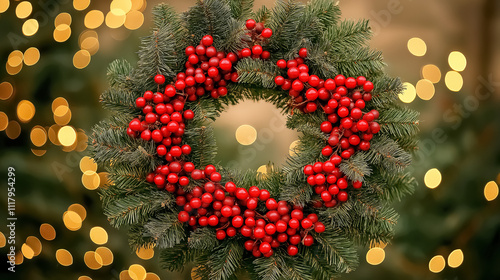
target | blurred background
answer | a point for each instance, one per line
(56, 53)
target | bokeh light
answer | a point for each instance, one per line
(83, 277)
(72, 220)
(375, 256)
(31, 56)
(456, 258)
(62, 32)
(6, 90)
(124, 275)
(134, 20)
(27, 251)
(92, 260)
(3, 241)
(432, 73)
(78, 209)
(145, 253)
(152, 276)
(30, 27)
(91, 180)
(13, 70)
(13, 130)
(66, 135)
(262, 169)
(120, 7)
(453, 81)
(93, 19)
(4, 121)
(15, 58)
(417, 46)
(292, 150)
(88, 164)
(457, 61)
(409, 93)
(24, 9)
(59, 101)
(62, 18)
(81, 59)
(246, 134)
(47, 232)
(437, 264)
(38, 136)
(106, 255)
(137, 272)
(25, 111)
(81, 5)
(432, 178)
(115, 21)
(491, 191)
(425, 89)
(4, 5)
(98, 235)
(34, 244)
(64, 257)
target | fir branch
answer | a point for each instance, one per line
(241, 9)
(166, 229)
(136, 208)
(271, 268)
(119, 73)
(225, 259)
(358, 62)
(202, 238)
(136, 238)
(283, 21)
(257, 72)
(386, 152)
(320, 269)
(399, 122)
(355, 168)
(337, 250)
(385, 91)
(178, 256)
(390, 186)
(261, 15)
(120, 101)
(348, 35)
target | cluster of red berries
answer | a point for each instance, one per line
(207, 70)
(348, 126)
(162, 122)
(329, 182)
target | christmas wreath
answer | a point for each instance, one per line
(302, 221)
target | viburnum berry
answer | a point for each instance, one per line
(159, 79)
(250, 24)
(267, 33)
(207, 40)
(303, 52)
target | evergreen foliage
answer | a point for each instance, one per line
(334, 48)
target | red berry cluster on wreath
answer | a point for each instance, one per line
(231, 209)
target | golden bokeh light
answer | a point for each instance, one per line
(417, 46)
(292, 150)
(92, 260)
(138, 5)
(409, 93)
(134, 20)
(62, 115)
(3, 241)
(4, 5)
(24, 9)
(38, 152)
(64, 257)
(120, 7)
(13, 130)
(246, 134)
(13, 70)
(115, 21)
(104, 179)
(90, 44)
(375, 256)
(145, 253)
(437, 264)
(6, 90)
(425, 89)
(456, 258)
(457, 61)
(31, 56)
(137, 272)
(27, 251)
(81, 59)
(432, 73)
(87, 163)
(83, 277)
(15, 58)
(66, 135)
(62, 32)
(491, 191)
(78, 209)
(72, 220)
(34, 244)
(453, 81)
(106, 255)
(98, 235)
(61, 111)
(81, 5)
(93, 19)
(59, 101)
(53, 130)
(25, 111)
(4, 121)
(19, 258)
(82, 141)
(91, 180)
(38, 136)
(62, 18)
(47, 232)
(30, 27)
(152, 276)
(124, 275)
(432, 178)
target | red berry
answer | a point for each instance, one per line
(297, 214)
(225, 64)
(230, 187)
(270, 229)
(326, 196)
(213, 220)
(368, 86)
(189, 50)
(250, 24)
(350, 83)
(339, 80)
(308, 170)
(265, 55)
(220, 234)
(160, 79)
(257, 50)
(308, 240)
(374, 127)
(314, 80)
(292, 250)
(360, 80)
(281, 226)
(306, 223)
(183, 216)
(264, 195)
(267, 33)
(279, 80)
(297, 85)
(241, 194)
(281, 63)
(193, 59)
(207, 40)
(295, 239)
(249, 245)
(226, 211)
(362, 125)
(246, 52)
(342, 196)
(303, 52)
(237, 221)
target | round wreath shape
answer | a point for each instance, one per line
(302, 221)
